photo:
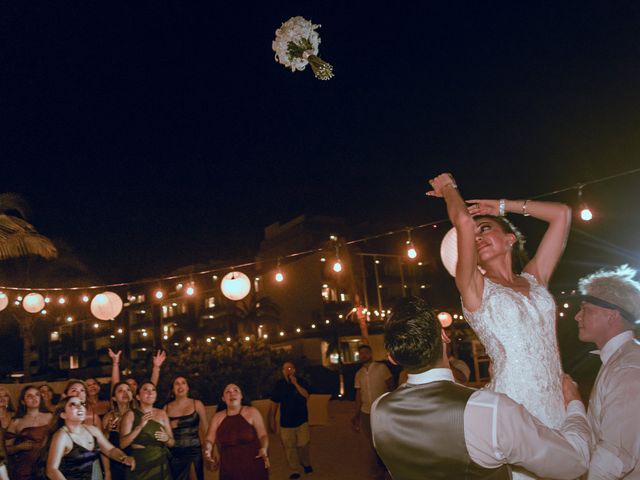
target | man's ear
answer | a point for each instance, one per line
(392, 360)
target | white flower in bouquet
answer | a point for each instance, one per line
(296, 45)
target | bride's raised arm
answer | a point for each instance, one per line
(468, 278)
(557, 215)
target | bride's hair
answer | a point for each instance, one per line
(519, 255)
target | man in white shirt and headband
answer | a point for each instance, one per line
(609, 311)
(433, 428)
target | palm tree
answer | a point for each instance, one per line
(20, 240)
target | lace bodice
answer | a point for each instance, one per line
(519, 334)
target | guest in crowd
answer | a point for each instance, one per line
(4, 472)
(27, 432)
(237, 440)
(121, 403)
(6, 408)
(608, 314)
(94, 404)
(146, 433)
(189, 424)
(48, 397)
(77, 388)
(75, 446)
(431, 427)
(290, 395)
(372, 380)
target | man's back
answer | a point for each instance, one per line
(418, 431)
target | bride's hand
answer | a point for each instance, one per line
(483, 207)
(440, 183)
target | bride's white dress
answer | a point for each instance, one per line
(519, 334)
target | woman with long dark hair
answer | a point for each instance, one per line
(237, 440)
(27, 433)
(47, 394)
(146, 433)
(189, 424)
(121, 403)
(506, 300)
(74, 446)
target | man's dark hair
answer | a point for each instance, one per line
(412, 335)
(365, 346)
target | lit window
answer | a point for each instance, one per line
(210, 302)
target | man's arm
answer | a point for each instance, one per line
(301, 390)
(273, 411)
(500, 431)
(617, 446)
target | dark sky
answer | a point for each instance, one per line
(149, 135)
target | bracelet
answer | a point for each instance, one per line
(501, 205)
(524, 209)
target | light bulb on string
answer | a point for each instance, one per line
(337, 265)
(279, 275)
(585, 212)
(411, 250)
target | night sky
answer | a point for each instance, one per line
(150, 135)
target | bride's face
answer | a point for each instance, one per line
(492, 241)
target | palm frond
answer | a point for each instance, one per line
(19, 238)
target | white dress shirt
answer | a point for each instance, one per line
(500, 431)
(614, 411)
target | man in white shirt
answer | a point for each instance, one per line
(372, 380)
(610, 308)
(433, 428)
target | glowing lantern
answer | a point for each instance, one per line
(4, 301)
(449, 251)
(445, 319)
(33, 303)
(106, 306)
(279, 277)
(235, 285)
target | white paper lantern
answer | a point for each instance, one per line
(4, 301)
(235, 285)
(106, 306)
(33, 303)
(449, 251)
(445, 319)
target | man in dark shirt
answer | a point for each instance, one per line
(290, 395)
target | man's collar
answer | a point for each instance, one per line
(431, 375)
(609, 348)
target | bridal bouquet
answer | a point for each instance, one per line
(296, 45)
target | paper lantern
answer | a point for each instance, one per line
(106, 306)
(445, 319)
(449, 251)
(4, 301)
(33, 303)
(235, 285)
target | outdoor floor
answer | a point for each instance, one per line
(337, 451)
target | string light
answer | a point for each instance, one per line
(159, 294)
(585, 212)
(62, 300)
(85, 298)
(190, 290)
(279, 275)
(411, 250)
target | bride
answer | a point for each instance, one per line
(508, 305)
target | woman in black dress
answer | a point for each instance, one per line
(189, 423)
(75, 446)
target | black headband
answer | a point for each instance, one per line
(604, 304)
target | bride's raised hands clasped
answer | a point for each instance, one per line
(484, 207)
(440, 183)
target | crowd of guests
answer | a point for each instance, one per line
(77, 436)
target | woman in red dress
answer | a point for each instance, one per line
(237, 440)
